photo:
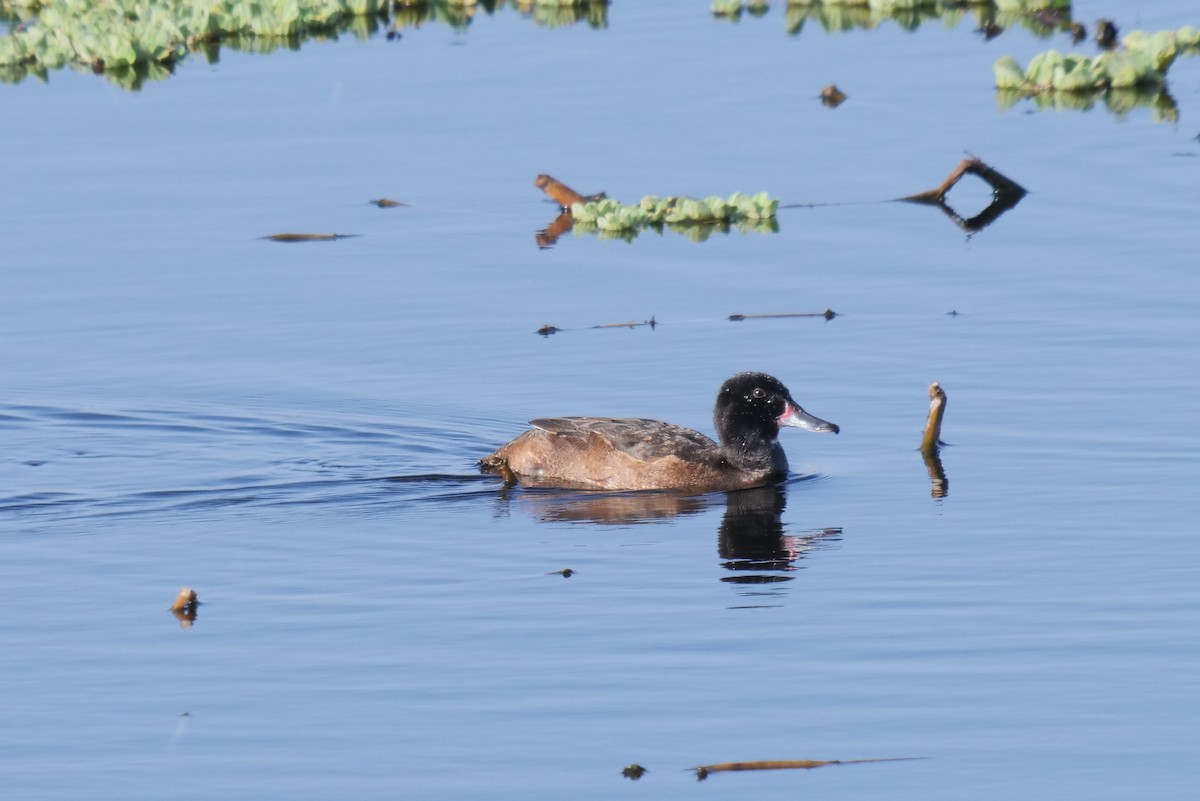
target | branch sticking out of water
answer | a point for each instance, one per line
(932, 442)
(184, 607)
(562, 194)
(1001, 184)
(1006, 194)
(933, 423)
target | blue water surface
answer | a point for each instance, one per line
(292, 429)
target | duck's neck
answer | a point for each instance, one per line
(756, 451)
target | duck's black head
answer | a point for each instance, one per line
(752, 407)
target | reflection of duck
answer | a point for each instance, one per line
(752, 539)
(608, 508)
(609, 454)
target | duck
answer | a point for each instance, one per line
(620, 454)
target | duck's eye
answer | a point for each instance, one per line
(759, 393)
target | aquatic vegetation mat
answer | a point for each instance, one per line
(132, 41)
(1134, 75)
(695, 218)
(1042, 17)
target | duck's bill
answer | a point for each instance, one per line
(795, 417)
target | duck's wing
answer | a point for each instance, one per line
(640, 439)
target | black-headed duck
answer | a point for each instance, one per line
(602, 453)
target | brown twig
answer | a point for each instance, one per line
(702, 771)
(307, 237)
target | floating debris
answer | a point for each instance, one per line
(702, 771)
(566, 572)
(990, 30)
(832, 97)
(631, 324)
(387, 203)
(1106, 34)
(185, 606)
(634, 771)
(828, 314)
(547, 330)
(308, 237)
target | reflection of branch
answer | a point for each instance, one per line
(550, 234)
(1006, 194)
(931, 442)
(939, 485)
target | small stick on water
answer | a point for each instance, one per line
(933, 423)
(702, 771)
(631, 324)
(307, 237)
(828, 314)
(547, 330)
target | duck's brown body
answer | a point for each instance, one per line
(603, 453)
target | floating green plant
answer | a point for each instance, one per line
(1142, 64)
(1124, 79)
(693, 217)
